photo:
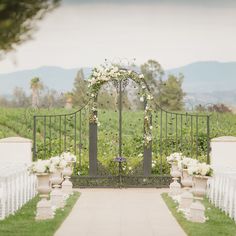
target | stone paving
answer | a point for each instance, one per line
(120, 212)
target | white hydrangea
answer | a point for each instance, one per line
(141, 76)
(186, 162)
(55, 160)
(174, 157)
(40, 166)
(63, 164)
(202, 169)
(68, 157)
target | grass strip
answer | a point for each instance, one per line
(218, 223)
(23, 222)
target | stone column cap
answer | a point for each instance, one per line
(15, 140)
(224, 139)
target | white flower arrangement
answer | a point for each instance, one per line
(141, 99)
(202, 169)
(174, 157)
(68, 157)
(53, 164)
(40, 167)
(110, 72)
(141, 76)
(57, 162)
(185, 162)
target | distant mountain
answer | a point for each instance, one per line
(53, 77)
(208, 76)
(204, 82)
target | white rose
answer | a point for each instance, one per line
(141, 76)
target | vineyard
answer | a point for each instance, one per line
(61, 135)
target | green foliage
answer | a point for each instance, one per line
(80, 97)
(19, 122)
(218, 222)
(153, 73)
(171, 95)
(18, 20)
(219, 108)
(23, 222)
(167, 94)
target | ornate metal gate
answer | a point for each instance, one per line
(123, 151)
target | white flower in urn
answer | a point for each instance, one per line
(63, 164)
(55, 160)
(185, 162)
(40, 167)
(68, 157)
(174, 157)
(202, 169)
(141, 99)
(55, 163)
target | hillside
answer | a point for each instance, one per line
(205, 82)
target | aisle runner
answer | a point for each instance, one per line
(123, 212)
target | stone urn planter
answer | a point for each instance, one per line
(186, 179)
(200, 186)
(56, 194)
(44, 208)
(175, 187)
(67, 185)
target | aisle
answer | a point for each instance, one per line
(123, 212)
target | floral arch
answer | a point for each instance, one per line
(114, 73)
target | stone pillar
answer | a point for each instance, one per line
(223, 151)
(16, 150)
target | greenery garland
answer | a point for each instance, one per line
(107, 73)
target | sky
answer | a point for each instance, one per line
(83, 33)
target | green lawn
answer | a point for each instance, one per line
(24, 224)
(218, 224)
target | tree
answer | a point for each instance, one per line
(20, 98)
(200, 108)
(220, 108)
(69, 100)
(80, 89)
(36, 86)
(167, 94)
(172, 94)
(153, 73)
(18, 20)
(51, 98)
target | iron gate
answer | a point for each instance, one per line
(171, 131)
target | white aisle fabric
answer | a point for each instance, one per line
(16, 187)
(222, 191)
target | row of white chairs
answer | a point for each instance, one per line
(222, 192)
(16, 187)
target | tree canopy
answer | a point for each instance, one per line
(18, 20)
